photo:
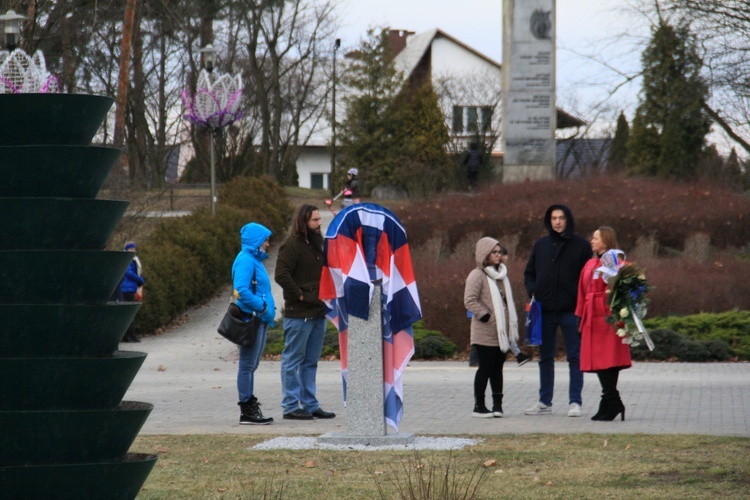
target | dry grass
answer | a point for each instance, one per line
(525, 466)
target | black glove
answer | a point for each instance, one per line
(485, 318)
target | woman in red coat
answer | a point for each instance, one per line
(602, 351)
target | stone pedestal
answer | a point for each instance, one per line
(364, 385)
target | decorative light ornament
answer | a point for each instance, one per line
(21, 74)
(216, 103)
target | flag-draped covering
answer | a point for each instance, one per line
(365, 245)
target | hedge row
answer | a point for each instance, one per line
(692, 240)
(428, 344)
(731, 328)
(668, 212)
(188, 260)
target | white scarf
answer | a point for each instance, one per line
(503, 335)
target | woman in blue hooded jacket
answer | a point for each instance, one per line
(252, 293)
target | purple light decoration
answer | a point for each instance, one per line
(21, 74)
(215, 104)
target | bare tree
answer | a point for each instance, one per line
(287, 47)
(123, 82)
(477, 90)
(723, 28)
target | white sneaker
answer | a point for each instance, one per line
(574, 410)
(538, 409)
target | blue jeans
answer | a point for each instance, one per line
(249, 360)
(303, 343)
(569, 326)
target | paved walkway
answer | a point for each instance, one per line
(190, 377)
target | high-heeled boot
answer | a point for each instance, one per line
(614, 408)
(602, 409)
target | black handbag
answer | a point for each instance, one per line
(236, 329)
(239, 328)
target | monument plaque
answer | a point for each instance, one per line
(528, 90)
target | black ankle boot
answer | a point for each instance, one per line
(614, 408)
(497, 405)
(602, 409)
(250, 413)
(480, 410)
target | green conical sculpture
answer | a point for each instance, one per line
(65, 429)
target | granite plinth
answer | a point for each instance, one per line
(340, 438)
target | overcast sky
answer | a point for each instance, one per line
(583, 27)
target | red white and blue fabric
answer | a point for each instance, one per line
(366, 243)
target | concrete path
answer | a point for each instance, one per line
(190, 377)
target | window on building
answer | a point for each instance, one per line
(486, 118)
(316, 181)
(458, 119)
(472, 119)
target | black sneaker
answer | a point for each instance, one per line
(522, 358)
(321, 413)
(251, 414)
(298, 414)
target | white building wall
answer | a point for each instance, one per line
(451, 58)
(451, 62)
(471, 80)
(313, 161)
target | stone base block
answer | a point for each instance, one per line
(521, 173)
(340, 438)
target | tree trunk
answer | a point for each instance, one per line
(124, 77)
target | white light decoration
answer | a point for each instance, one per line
(216, 103)
(21, 74)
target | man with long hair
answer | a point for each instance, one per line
(298, 269)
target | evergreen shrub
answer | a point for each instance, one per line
(187, 260)
(673, 346)
(428, 344)
(731, 328)
(431, 344)
(263, 197)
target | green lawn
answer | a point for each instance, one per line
(519, 466)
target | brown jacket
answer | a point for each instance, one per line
(478, 298)
(298, 268)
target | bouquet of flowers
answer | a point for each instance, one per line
(627, 302)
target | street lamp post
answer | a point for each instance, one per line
(336, 46)
(12, 28)
(209, 58)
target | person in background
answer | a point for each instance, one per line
(252, 294)
(485, 296)
(602, 351)
(131, 289)
(473, 162)
(298, 269)
(351, 188)
(551, 276)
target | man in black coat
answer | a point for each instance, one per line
(551, 276)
